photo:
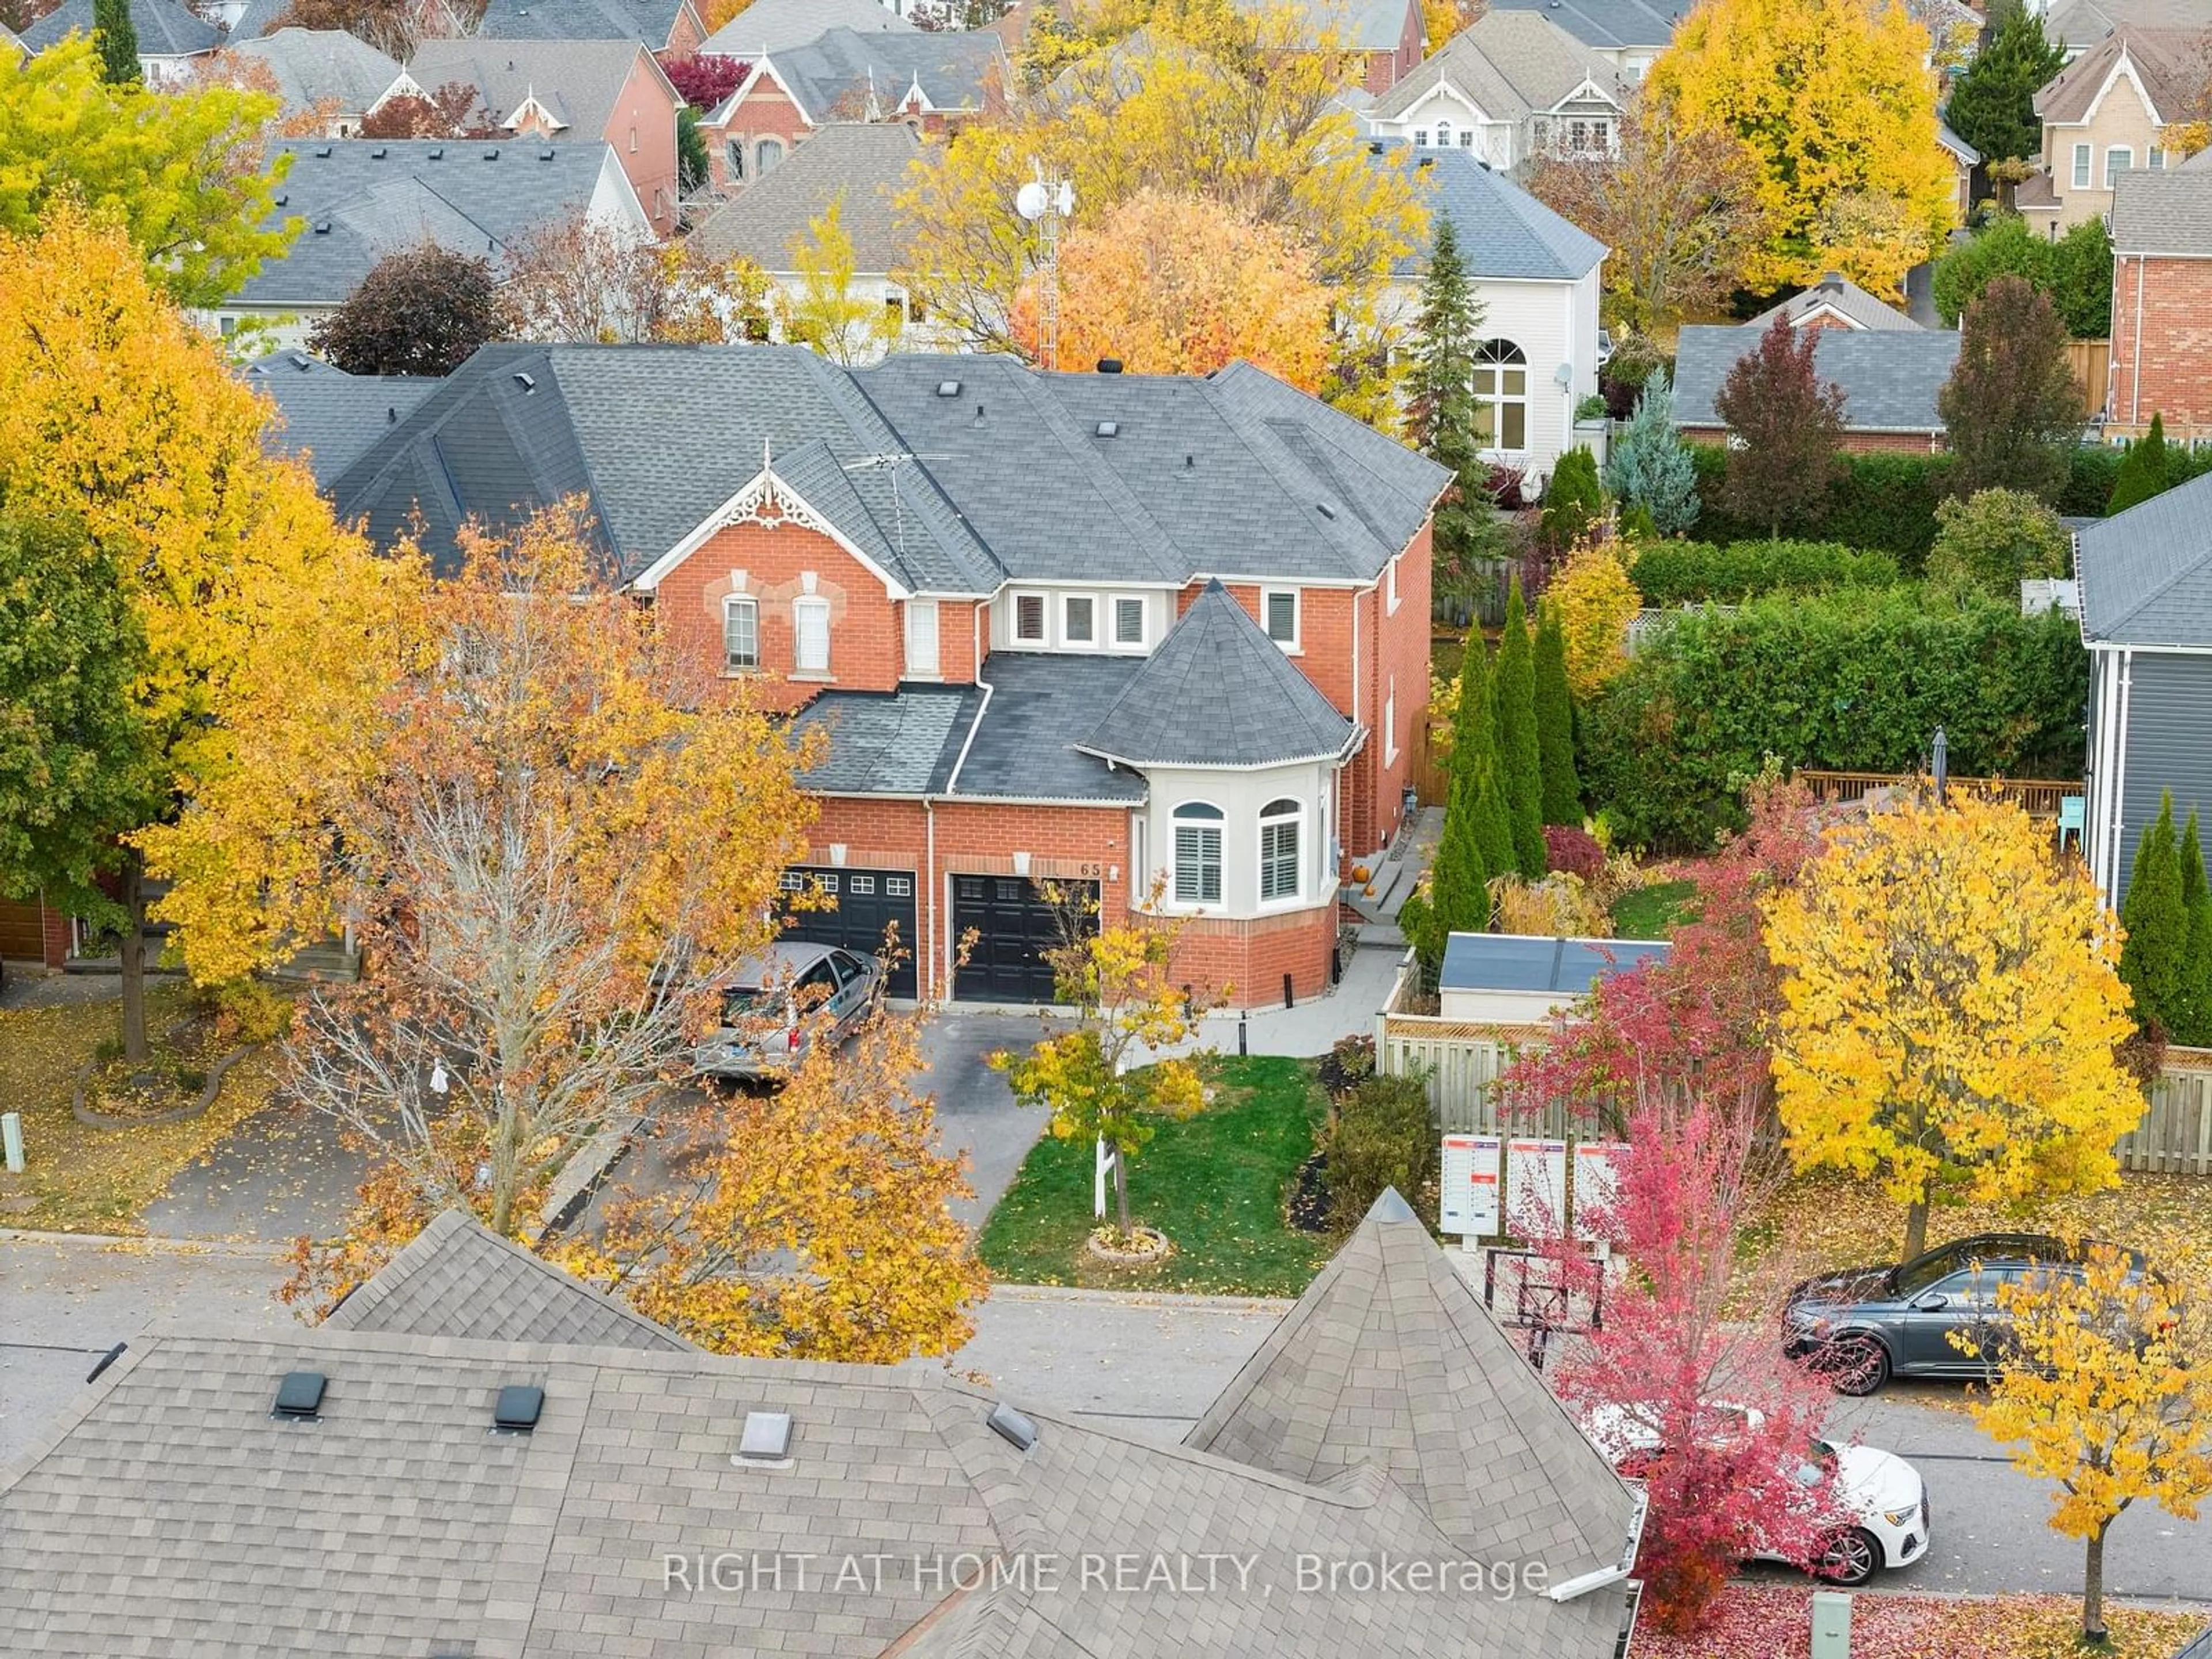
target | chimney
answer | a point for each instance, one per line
(1832, 282)
(1110, 365)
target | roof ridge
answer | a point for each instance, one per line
(1120, 499)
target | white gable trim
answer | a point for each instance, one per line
(530, 101)
(765, 70)
(1824, 309)
(770, 501)
(2122, 66)
(1589, 88)
(1444, 88)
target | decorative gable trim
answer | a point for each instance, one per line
(530, 101)
(1444, 88)
(770, 503)
(1587, 89)
(765, 70)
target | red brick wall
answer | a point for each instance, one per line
(2162, 342)
(1245, 961)
(766, 112)
(647, 109)
(686, 35)
(1910, 443)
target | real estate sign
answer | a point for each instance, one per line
(1470, 1203)
(1596, 1181)
(1536, 1185)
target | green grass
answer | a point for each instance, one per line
(1214, 1184)
(1654, 912)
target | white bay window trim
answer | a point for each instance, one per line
(1196, 879)
(1130, 629)
(1078, 620)
(1028, 620)
(1282, 865)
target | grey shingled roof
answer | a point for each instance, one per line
(1388, 1358)
(650, 22)
(772, 26)
(458, 1279)
(2147, 573)
(1511, 63)
(1838, 293)
(2163, 212)
(312, 66)
(1218, 692)
(1503, 232)
(329, 417)
(833, 76)
(164, 28)
(360, 199)
(1890, 377)
(578, 82)
(2079, 24)
(1363, 24)
(1614, 25)
(1042, 706)
(2168, 64)
(861, 165)
(900, 743)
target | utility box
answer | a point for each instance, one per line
(1831, 1624)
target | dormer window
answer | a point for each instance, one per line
(1129, 624)
(1028, 618)
(1080, 624)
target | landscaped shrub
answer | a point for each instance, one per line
(1560, 905)
(2088, 491)
(1383, 1137)
(1573, 850)
(1853, 682)
(1880, 500)
(1573, 498)
(1686, 573)
(1993, 540)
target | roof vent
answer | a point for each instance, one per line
(1832, 282)
(1190, 463)
(978, 421)
(298, 1396)
(105, 1360)
(1110, 365)
(436, 153)
(528, 383)
(766, 1442)
(1010, 1426)
(1375, 147)
(517, 1409)
(1326, 510)
(379, 154)
(324, 152)
(1426, 162)
(301, 360)
(281, 197)
(948, 388)
(322, 226)
(392, 414)
(1110, 428)
(492, 154)
(544, 155)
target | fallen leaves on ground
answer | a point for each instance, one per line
(1761, 1621)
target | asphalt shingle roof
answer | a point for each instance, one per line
(360, 199)
(2167, 63)
(330, 416)
(1613, 25)
(898, 743)
(1042, 706)
(650, 22)
(2079, 24)
(164, 28)
(834, 75)
(312, 66)
(1503, 232)
(1362, 25)
(1511, 63)
(772, 26)
(1890, 377)
(2163, 212)
(1841, 295)
(578, 82)
(2147, 573)
(862, 164)
(1218, 692)
(458, 1279)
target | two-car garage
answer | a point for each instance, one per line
(1013, 923)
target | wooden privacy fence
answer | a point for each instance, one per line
(2037, 797)
(2091, 363)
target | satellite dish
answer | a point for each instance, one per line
(1031, 200)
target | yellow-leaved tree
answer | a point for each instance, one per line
(2098, 1393)
(1835, 99)
(1179, 285)
(1951, 1007)
(826, 313)
(1596, 597)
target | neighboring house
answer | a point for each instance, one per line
(2102, 116)
(32, 931)
(675, 26)
(1538, 279)
(613, 91)
(933, 82)
(359, 200)
(1390, 35)
(1964, 158)
(171, 38)
(328, 417)
(2078, 25)
(1890, 379)
(1627, 34)
(12, 49)
(855, 165)
(640, 1492)
(772, 26)
(1509, 87)
(1519, 979)
(1834, 301)
(2146, 579)
(992, 587)
(326, 73)
(2162, 301)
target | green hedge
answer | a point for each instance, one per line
(2097, 466)
(1882, 501)
(1686, 573)
(1854, 682)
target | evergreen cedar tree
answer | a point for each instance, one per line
(692, 164)
(117, 37)
(1992, 104)
(2192, 1021)
(1789, 428)
(1440, 407)
(2011, 407)
(1650, 467)
(1519, 748)
(1478, 839)
(423, 310)
(1574, 500)
(2164, 902)
(1555, 722)
(2142, 471)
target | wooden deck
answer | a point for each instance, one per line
(2037, 797)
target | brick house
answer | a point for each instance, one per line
(2161, 360)
(1388, 35)
(1115, 633)
(1890, 379)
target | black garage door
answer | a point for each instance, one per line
(867, 902)
(1014, 926)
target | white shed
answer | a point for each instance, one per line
(1523, 979)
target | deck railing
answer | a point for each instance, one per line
(2037, 797)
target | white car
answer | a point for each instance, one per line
(1884, 1496)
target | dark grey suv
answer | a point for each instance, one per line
(1865, 1325)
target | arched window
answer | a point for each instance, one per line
(1501, 395)
(1197, 853)
(734, 154)
(767, 153)
(1279, 823)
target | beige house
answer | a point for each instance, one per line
(2103, 114)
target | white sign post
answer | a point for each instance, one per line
(1469, 1203)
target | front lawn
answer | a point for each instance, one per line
(1758, 1621)
(1213, 1183)
(82, 1180)
(1654, 912)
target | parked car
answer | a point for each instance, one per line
(784, 1000)
(1865, 1325)
(1882, 1499)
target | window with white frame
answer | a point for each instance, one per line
(2081, 167)
(1390, 723)
(1079, 619)
(2117, 160)
(767, 153)
(1198, 854)
(734, 154)
(1390, 585)
(1028, 618)
(740, 633)
(921, 661)
(1501, 395)
(1420, 137)
(1279, 823)
(1129, 622)
(1279, 614)
(810, 628)
(1444, 135)
(2154, 159)
(1467, 138)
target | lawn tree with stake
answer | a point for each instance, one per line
(2098, 1393)
(1091, 1079)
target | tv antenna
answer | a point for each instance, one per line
(893, 462)
(1046, 203)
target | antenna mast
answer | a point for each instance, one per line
(1046, 203)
